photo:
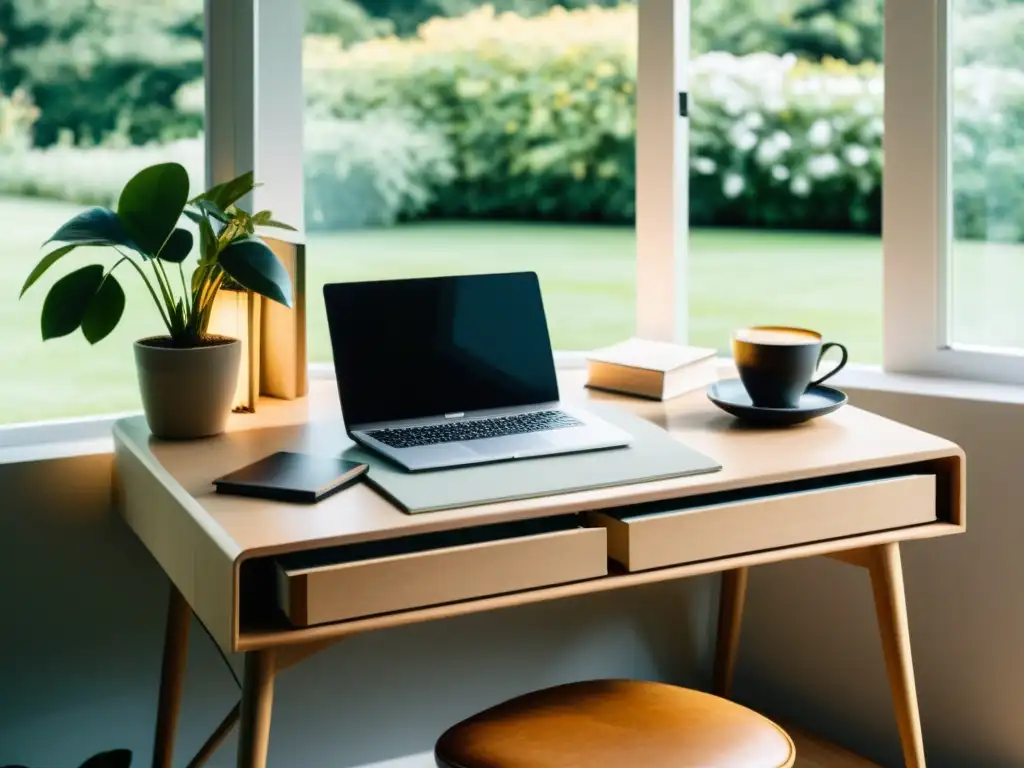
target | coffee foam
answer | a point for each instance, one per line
(777, 336)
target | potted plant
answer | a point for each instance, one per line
(187, 377)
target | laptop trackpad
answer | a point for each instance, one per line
(510, 445)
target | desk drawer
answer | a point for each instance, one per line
(666, 537)
(429, 570)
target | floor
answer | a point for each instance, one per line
(812, 752)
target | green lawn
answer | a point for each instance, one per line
(829, 282)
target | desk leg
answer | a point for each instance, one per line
(886, 571)
(172, 677)
(730, 620)
(257, 699)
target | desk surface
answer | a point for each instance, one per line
(200, 537)
(849, 440)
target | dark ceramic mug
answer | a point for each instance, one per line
(777, 363)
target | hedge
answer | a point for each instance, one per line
(374, 171)
(540, 113)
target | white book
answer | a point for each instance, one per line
(654, 369)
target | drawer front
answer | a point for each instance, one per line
(403, 582)
(718, 530)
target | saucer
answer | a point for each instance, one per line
(732, 398)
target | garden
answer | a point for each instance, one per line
(456, 136)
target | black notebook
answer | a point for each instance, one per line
(295, 477)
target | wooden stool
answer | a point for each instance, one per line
(616, 724)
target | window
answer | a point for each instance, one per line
(670, 169)
(954, 230)
(448, 138)
(786, 170)
(90, 93)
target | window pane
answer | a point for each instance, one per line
(444, 137)
(987, 157)
(90, 93)
(786, 170)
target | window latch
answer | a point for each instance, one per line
(684, 105)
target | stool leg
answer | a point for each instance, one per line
(886, 569)
(730, 620)
(172, 677)
(257, 700)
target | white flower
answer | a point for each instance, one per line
(769, 152)
(753, 121)
(741, 138)
(856, 155)
(820, 133)
(783, 140)
(780, 173)
(800, 186)
(704, 165)
(733, 185)
(822, 166)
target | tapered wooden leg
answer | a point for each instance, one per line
(730, 621)
(891, 607)
(257, 700)
(172, 677)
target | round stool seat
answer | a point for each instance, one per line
(616, 724)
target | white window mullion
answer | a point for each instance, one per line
(662, 169)
(914, 216)
(254, 100)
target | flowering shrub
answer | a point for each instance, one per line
(373, 171)
(539, 111)
(779, 143)
(90, 176)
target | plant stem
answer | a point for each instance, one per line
(149, 285)
(184, 290)
(164, 288)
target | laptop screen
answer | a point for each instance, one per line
(431, 346)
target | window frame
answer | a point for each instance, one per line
(662, 170)
(917, 217)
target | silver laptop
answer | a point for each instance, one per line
(448, 371)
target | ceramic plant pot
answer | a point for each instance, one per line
(187, 393)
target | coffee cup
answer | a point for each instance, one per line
(777, 364)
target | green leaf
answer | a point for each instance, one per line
(47, 261)
(151, 204)
(198, 218)
(104, 311)
(266, 219)
(66, 303)
(177, 247)
(279, 225)
(255, 267)
(213, 210)
(208, 243)
(118, 758)
(96, 226)
(230, 191)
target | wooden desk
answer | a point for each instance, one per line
(850, 486)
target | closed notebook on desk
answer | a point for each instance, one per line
(653, 455)
(294, 477)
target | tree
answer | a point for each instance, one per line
(96, 67)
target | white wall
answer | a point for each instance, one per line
(809, 649)
(80, 636)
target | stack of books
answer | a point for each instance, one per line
(652, 369)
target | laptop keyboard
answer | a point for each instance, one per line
(474, 429)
